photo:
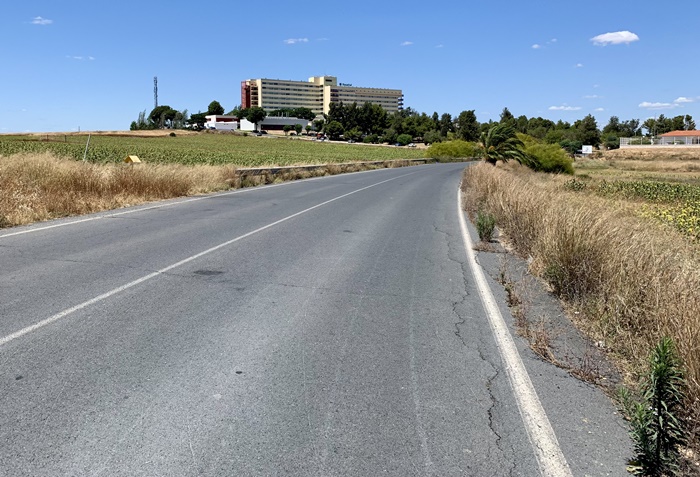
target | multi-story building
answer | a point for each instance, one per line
(317, 94)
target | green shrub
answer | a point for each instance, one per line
(371, 139)
(404, 139)
(431, 137)
(549, 158)
(485, 224)
(656, 427)
(453, 150)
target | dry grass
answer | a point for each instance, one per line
(666, 164)
(41, 186)
(632, 280)
(36, 187)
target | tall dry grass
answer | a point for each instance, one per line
(631, 280)
(35, 187)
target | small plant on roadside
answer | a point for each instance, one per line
(655, 425)
(485, 225)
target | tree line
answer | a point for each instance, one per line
(372, 124)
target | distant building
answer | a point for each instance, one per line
(221, 122)
(686, 138)
(232, 123)
(273, 123)
(317, 94)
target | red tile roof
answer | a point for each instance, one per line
(681, 134)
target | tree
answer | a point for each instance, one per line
(162, 116)
(372, 118)
(613, 126)
(436, 121)
(308, 129)
(663, 124)
(141, 123)
(255, 115)
(650, 125)
(355, 134)
(334, 130)
(467, 126)
(318, 125)
(403, 139)
(303, 113)
(500, 143)
(215, 108)
(446, 124)
(197, 120)
(587, 131)
(507, 117)
(298, 128)
(689, 124)
(678, 123)
(236, 112)
(431, 137)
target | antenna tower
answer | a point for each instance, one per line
(155, 90)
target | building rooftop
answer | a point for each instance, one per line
(681, 134)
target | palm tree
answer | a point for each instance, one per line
(500, 143)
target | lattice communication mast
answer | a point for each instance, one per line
(155, 90)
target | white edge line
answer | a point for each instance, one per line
(170, 203)
(138, 281)
(549, 456)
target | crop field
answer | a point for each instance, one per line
(663, 187)
(204, 148)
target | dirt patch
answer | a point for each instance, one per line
(654, 153)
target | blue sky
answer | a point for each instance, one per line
(78, 64)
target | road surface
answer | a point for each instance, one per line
(328, 327)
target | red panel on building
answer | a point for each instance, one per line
(245, 95)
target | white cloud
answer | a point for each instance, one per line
(440, 46)
(598, 110)
(293, 41)
(682, 100)
(41, 21)
(564, 107)
(321, 39)
(649, 105)
(615, 38)
(407, 43)
(536, 46)
(80, 58)
(553, 40)
(592, 96)
(578, 65)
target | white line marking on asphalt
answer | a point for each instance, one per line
(549, 456)
(132, 210)
(138, 281)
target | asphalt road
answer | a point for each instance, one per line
(328, 327)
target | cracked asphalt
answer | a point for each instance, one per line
(346, 341)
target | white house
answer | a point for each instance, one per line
(221, 122)
(272, 123)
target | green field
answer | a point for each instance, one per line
(205, 148)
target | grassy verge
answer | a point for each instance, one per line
(631, 280)
(37, 187)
